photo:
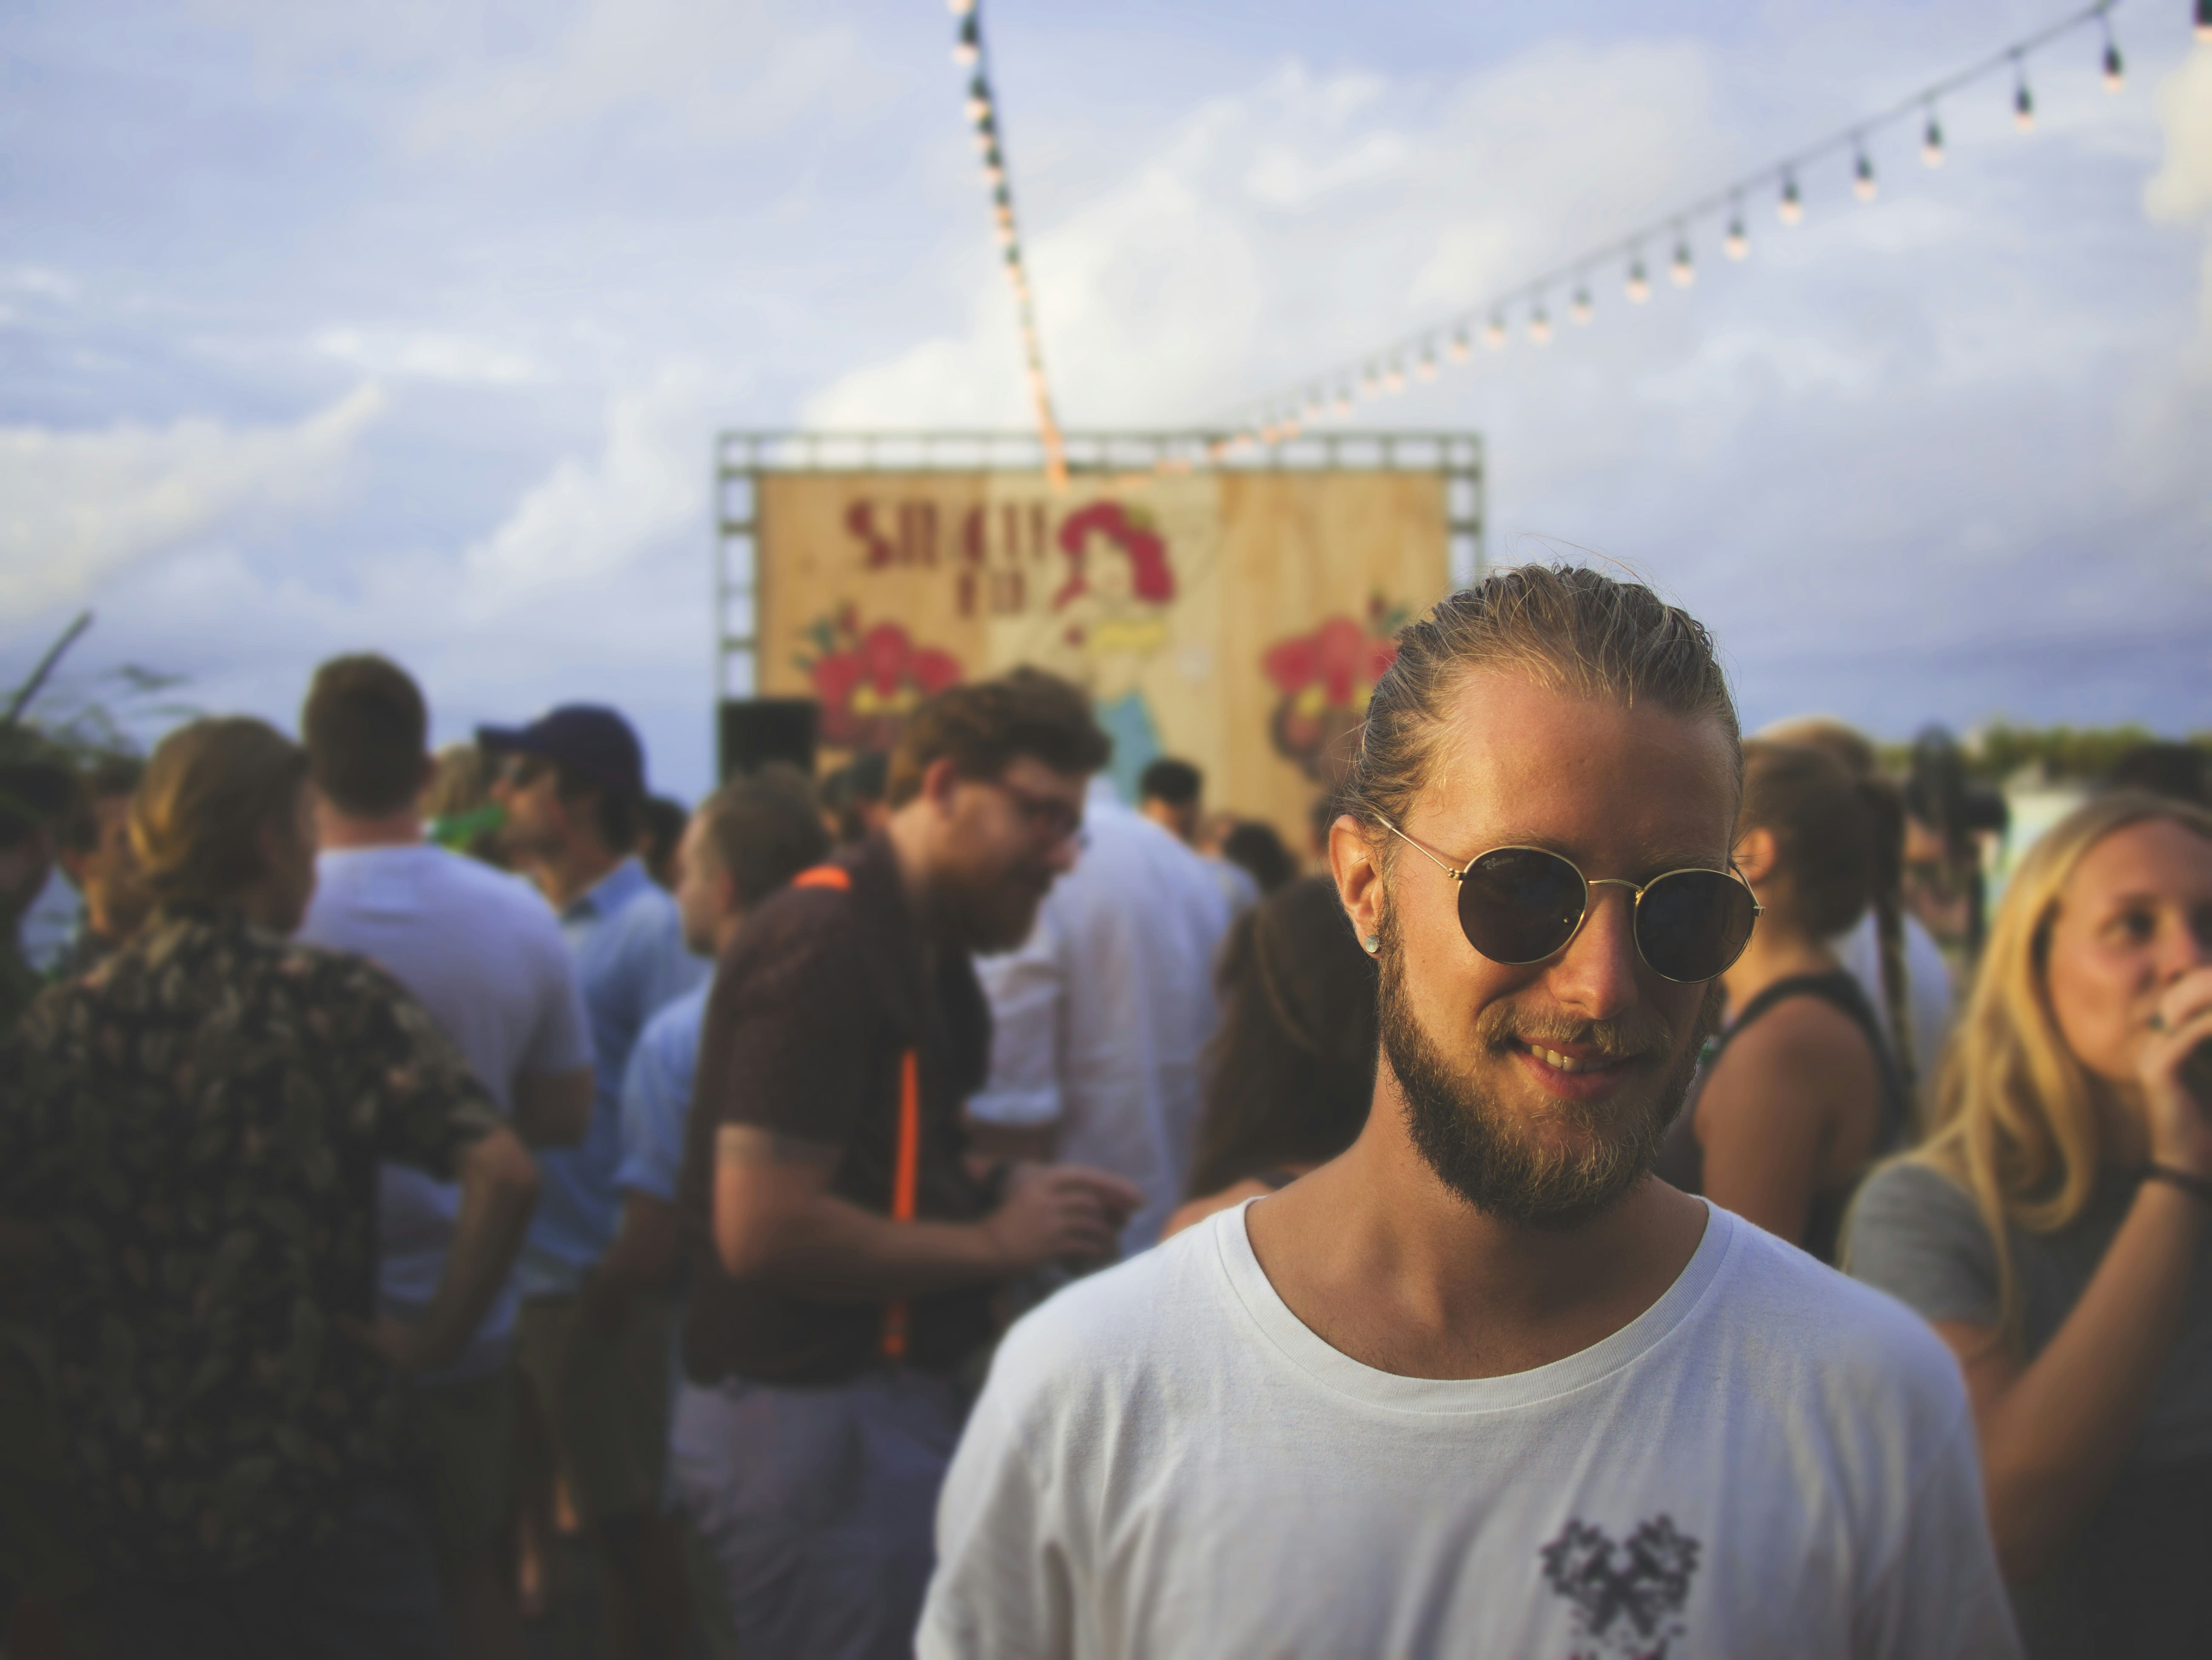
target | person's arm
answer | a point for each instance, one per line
(776, 1224)
(2054, 1431)
(553, 1108)
(499, 1185)
(1771, 1111)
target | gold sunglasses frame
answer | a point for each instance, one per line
(1637, 889)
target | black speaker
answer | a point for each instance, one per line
(754, 730)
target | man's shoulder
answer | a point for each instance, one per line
(1820, 1326)
(1108, 1331)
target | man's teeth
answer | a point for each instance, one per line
(1567, 1062)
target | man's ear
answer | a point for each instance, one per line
(1357, 865)
(938, 781)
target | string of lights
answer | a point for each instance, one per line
(1423, 354)
(971, 52)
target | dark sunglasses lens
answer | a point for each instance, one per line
(1519, 904)
(1692, 924)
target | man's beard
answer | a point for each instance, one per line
(1478, 1145)
(991, 912)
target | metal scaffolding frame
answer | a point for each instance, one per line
(741, 459)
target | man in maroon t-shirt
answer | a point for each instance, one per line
(845, 1246)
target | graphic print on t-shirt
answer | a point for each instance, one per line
(1628, 1597)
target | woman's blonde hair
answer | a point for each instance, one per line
(2014, 1120)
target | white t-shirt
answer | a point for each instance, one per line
(1770, 1460)
(483, 954)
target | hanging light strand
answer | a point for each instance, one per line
(1779, 177)
(972, 52)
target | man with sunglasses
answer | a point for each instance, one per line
(571, 787)
(1483, 1385)
(844, 1247)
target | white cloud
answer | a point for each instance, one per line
(83, 505)
(1305, 217)
(427, 355)
(2180, 192)
(721, 69)
(586, 521)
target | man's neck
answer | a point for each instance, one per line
(909, 833)
(568, 873)
(1388, 1265)
(334, 829)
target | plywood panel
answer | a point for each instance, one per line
(1236, 620)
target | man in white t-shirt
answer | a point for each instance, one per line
(1099, 1020)
(1482, 1385)
(483, 954)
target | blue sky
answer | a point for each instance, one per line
(325, 326)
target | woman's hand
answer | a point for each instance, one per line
(2181, 1126)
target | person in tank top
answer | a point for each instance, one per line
(1801, 1093)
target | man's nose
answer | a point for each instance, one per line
(1596, 974)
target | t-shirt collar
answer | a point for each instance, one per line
(1334, 1370)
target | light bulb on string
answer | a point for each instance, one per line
(960, 8)
(1425, 369)
(1790, 209)
(1931, 142)
(1460, 351)
(1344, 399)
(2116, 70)
(1493, 333)
(1682, 270)
(2023, 102)
(1736, 244)
(979, 100)
(1370, 383)
(970, 44)
(987, 135)
(1315, 408)
(1287, 428)
(1862, 180)
(1580, 308)
(1638, 287)
(1540, 326)
(994, 169)
(1005, 233)
(1393, 378)
(2204, 20)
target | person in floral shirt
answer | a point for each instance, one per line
(193, 1130)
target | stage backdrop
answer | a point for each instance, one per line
(1236, 620)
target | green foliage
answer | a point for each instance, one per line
(2072, 754)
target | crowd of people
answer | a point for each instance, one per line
(940, 1207)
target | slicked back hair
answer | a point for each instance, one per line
(1565, 627)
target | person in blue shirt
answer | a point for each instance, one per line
(571, 787)
(745, 842)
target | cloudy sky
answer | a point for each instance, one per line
(326, 325)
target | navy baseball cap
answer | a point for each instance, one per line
(589, 737)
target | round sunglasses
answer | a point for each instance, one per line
(1522, 905)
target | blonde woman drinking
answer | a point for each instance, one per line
(2054, 1230)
